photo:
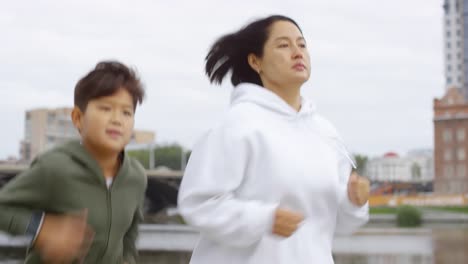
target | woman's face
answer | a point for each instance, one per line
(285, 59)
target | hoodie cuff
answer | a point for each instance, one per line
(34, 227)
(348, 206)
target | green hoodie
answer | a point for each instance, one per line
(66, 180)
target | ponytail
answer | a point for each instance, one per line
(230, 52)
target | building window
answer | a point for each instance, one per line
(459, 55)
(448, 171)
(461, 154)
(461, 134)
(27, 130)
(416, 171)
(448, 34)
(459, 67)
(448, 22)
(447, 135)
(453, 187)
(449, 56)
(50, 119)
(448, 45)
(50, 140)
(458, 32)
(449, 80)
(459, 79)
(461, 170)
(458, 44)
(447, 155)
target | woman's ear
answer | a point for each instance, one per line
(254, 63)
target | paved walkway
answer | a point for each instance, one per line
(180, 238)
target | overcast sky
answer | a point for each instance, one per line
(376, 65)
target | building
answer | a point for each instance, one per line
(45, 128)
(9, 161)
(451, 143)
(451, 111)
(455, 46)
(142, 137)
(415, 167)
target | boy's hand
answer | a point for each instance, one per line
(286, 222)
(358, 189)
(64, 238)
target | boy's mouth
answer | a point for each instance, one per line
(113, 133)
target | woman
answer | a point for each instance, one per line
(271, 183)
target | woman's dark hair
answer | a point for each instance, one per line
(106, 79)
(230, 52)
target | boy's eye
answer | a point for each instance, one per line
(302, 45)
(283, 45)
(128, 113)
(104, 108)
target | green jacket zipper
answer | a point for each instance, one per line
(109, 219)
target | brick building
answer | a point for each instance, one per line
(451, 143)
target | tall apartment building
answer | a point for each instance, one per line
(45, 128)
(455, 45)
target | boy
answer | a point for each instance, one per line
(81, 202)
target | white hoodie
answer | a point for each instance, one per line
(265, 155)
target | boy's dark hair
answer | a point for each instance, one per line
(230, 52)
(106, 79)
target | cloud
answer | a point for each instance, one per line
(375, 65)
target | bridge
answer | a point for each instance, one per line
(163, 185)
(161, 173)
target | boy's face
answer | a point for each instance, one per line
(107, 123)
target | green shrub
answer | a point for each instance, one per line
(408, 216)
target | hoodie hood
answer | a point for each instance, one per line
(255, 94)
(252, 93)
(77, 152)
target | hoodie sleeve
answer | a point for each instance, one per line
(21, 197)
(207, 196)
(350, 217)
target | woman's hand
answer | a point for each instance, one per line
(358, 189)
(286, 222)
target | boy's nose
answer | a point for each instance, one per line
(116, 118)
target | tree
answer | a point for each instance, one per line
(416, 171)
(361, 163)
(141, 155)
(167, 155)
